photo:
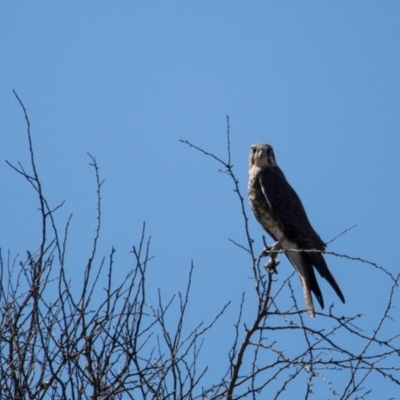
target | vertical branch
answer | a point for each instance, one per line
(35, 181)
(36, 266)
(249, 333)
(97, 232)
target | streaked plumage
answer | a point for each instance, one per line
(279, 210)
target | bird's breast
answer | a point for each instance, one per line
(261, 208)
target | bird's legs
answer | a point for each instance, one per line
(271, 251)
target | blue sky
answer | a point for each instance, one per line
(125, 81)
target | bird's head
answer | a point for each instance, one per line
(262, 155)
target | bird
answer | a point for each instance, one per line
(279, 210)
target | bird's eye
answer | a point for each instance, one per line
(253, 149)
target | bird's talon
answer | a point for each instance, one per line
(271, 265)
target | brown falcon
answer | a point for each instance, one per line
(279, 210)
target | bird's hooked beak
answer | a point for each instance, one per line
(261, 153)
(257, 153)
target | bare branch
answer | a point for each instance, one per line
(106, 341)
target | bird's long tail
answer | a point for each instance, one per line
(307, 277)
(306, 284)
